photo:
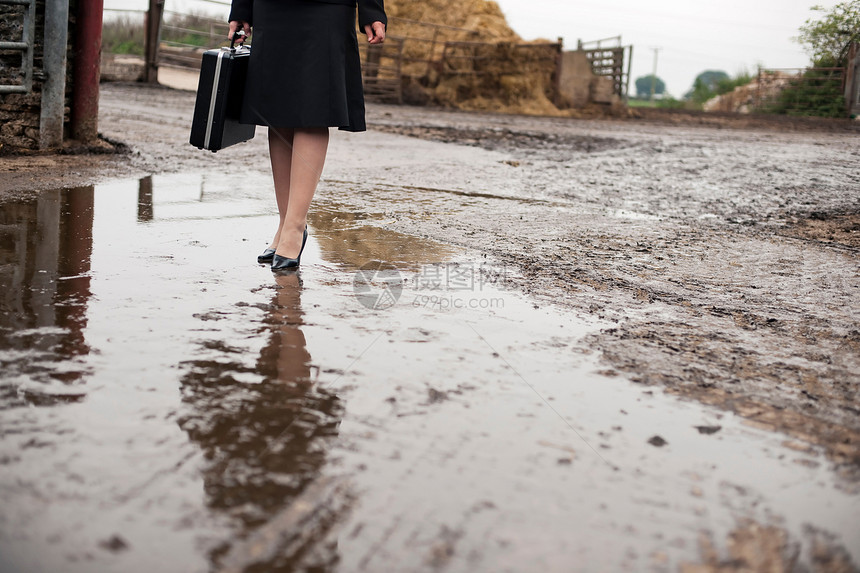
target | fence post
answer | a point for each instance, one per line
(145, 209)
(559, 62)
(852, 81)
(629, 69)
(757, 96)
(432, 51)
(153, 33)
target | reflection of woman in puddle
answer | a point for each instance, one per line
(286, 357)
(266, 440)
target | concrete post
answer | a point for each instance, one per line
(54, 66)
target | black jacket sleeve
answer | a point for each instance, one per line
(243, 11)
(370, 11)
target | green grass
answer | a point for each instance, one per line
(125, 35)
(817, 92)
(641, 103)
(663, 103)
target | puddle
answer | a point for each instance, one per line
(354, 239)
(168, 404)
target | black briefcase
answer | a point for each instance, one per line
(219, 100)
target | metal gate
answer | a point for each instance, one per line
(613, 61)
(24, 45)
(801, 91)
(381, 70)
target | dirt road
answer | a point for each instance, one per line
(729, 258)
(652, 363)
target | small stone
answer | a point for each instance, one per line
(114, 544)
(434, 396)
(657, 441)
(708, 430)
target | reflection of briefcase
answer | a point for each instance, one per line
(219, 100)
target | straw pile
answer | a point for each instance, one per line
(743, 99)
(499, 73)
(484, 17)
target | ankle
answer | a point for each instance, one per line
(294, 228)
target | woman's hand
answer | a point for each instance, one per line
(235, 26)
(375, 32)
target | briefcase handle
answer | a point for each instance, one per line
(236, 35)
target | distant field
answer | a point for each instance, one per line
(641, 103)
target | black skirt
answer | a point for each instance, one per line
(304, 69)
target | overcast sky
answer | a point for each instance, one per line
(693, 35)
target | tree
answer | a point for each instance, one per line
(828, 37)
(643, 86)
(705, 85)
(711, 83)
(710, 79)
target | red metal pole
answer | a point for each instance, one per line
(85, 75)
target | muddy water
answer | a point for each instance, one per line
(167, 404)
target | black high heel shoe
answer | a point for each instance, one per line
(266, 256)
(280, 263)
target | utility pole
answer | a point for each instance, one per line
(654, 74)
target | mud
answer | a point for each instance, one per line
(521, 142)
(623, 345)
(730, 259)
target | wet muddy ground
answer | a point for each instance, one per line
(594, 345)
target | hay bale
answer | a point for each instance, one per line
(481, 64)
(504, 76)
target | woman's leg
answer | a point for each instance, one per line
(307, 157)
(280, 154)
